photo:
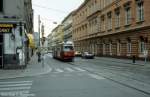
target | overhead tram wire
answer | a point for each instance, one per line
(37, 13)
(52, 9)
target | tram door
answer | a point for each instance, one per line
(1, 50)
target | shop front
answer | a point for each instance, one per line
(12, 52)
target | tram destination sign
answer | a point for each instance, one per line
(6, 27)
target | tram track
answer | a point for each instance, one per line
(107, 69)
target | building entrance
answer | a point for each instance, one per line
(1, 50)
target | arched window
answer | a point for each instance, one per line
(142, 44)
(140, 10)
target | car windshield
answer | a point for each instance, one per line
(85, 52)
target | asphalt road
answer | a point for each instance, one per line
(67, 79)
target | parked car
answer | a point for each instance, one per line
(78, 54)
(87, 55)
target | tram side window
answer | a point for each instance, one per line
(1, 5)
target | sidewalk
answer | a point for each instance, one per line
(126, 61)
(33, 68)
(139, 68)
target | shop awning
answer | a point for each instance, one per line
(31, 41)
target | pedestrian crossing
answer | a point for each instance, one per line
(67, 69)
(15, 89)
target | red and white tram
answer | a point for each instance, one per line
(64, 51)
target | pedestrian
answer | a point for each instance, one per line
(133, 59)
(39, 56)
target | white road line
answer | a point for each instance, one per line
(59, 70)
(15, 88)
(69, 69)
(96, 76)
(16, 92)
(15, 82)
(79, 69)
(15, 85)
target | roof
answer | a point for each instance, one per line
(82, 5)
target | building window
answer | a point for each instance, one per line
(110, 47)
(129, 45)
(117, 15)
(140, 10)
(108, 2)
(118, 47)
(109, 22)
(104, 48)
(142, 44)
(1, 5)
(103, 23)
(127, 14)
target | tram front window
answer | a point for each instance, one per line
(68, 48)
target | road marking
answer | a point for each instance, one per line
(15, 85)
(15, 82)
(69, 69)
(79, 69)
(15, 88)
(67, 75)
(17, 94)
(59, 70)
(96, 76)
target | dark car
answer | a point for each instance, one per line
(87, 55)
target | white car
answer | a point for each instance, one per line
(87, 55)
(78, 54)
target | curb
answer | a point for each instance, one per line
(123, 62)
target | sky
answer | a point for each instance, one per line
(52, 11)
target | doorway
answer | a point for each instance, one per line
(1, 50)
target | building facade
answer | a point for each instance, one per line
(57, 35)
(16, 21)
(116, 28)
(67, 27)
(36, 39)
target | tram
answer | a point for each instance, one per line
(64, 51)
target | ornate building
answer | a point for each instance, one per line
(116, 28)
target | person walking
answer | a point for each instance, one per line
(39, 56)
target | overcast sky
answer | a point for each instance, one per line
(52, 11)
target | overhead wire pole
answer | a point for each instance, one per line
(39, 52)
(39, 21)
